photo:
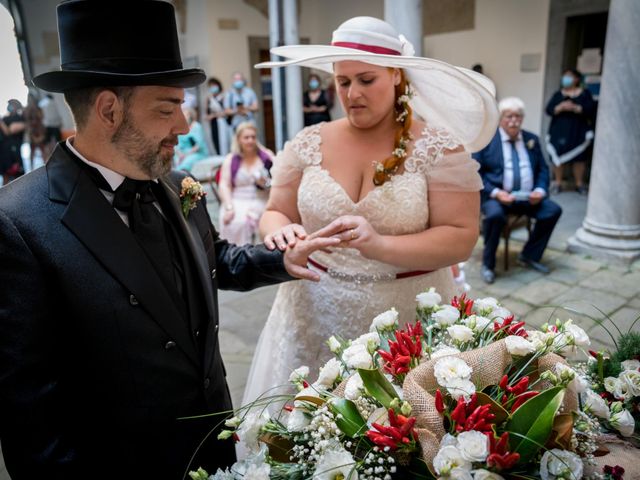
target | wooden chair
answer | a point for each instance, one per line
(514, 221)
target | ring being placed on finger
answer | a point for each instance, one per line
(353, 234)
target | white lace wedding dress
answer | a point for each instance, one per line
(305, 314)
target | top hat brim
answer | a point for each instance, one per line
(62, 80)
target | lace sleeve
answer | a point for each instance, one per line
(300, 152)
(434, 156)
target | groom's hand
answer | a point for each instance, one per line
(296, 257)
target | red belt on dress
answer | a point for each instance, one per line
(413, 273)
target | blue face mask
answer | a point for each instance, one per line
(313, 84)
(567, 81)
(214, 89)
(238, 84)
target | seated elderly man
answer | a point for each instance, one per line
(516, 180)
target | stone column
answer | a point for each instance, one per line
(611, 228)
(406, 17)
(295, 119)
(275, 40)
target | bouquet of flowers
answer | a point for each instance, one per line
(464, 392)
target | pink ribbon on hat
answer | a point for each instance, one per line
(367, 48)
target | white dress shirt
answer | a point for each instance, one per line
(526, 172)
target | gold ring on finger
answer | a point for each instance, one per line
(353, 234)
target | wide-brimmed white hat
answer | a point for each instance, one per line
(457, 99)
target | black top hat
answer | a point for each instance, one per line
(118, 43)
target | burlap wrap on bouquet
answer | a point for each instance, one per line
(489, 365)
(621, 453)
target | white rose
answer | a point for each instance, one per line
(610, 384)
(429, 299)
(519, 346)
(473, 445)
(556, 464)
(446, 315)
(580, 337)
(251, 427)
(459, 387)
(297, 420)
(385, 321)
(334, 344)
(449, 368)
(576, 382)
(357, 356)
(499, 314)
(630, 365)
(329, 373)
(485, 305)
(538, 339)
(460, 333)
(354, 387)
(595, 404)
(299, 374)
(623, 422)
(336, 463)
(443, 351)
(632, 379)
(482, 474)
(370, 340)
(448, 439)
(448, 458)
(478, 323)
(460, 474)
(621, 390)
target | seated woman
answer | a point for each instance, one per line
(192, 147)
(244, 180)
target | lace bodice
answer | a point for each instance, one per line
(398, 207)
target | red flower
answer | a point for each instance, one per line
(464, 304)
(439, 401)
(499, 457)
(405, 352)
(616, 472)
(398, 434)
(469, 416)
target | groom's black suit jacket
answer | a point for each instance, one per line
(97, 363)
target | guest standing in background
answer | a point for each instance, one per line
(52, 123)
(215, 111)
(244, 181)
(240, 102)
(36, 132)
(570, 132)
(316, 103)
(192, 146)
(13, 132)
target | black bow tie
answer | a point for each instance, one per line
(130, 190)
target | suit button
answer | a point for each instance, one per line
(207, 382)
(213, 274)
(170, 345)
(133, 300)
(197, 333)
(217, 327)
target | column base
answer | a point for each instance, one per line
(617, 243)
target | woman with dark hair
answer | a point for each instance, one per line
(570, 132)
(244, 180)
(215, 110)
(316, 102)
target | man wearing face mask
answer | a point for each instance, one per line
(316, 103)
(241, 101)
(516, 180)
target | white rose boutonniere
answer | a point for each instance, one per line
(190, 194)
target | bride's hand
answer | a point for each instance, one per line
(354, 232)
(285, 237)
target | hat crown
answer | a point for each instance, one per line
(368, 31)
(118, 36)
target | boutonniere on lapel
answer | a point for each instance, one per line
(531, 143)
(190, 194)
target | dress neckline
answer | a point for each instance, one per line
(355, 203)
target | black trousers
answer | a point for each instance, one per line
(546, 213)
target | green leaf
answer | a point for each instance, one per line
(378, 386)
(534, 422)
(497, 409)
(351, 423)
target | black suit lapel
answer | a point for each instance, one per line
(97, 225)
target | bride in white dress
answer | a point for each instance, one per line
(404, 218)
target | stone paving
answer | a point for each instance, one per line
(585, 289)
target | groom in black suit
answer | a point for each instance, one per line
(516, 180)
(108, 290)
